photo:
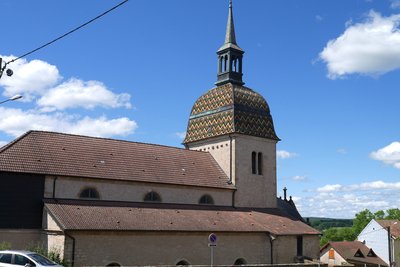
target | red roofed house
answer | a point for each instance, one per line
(103, 201)
(350, 253)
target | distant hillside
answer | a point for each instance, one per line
(325, 223)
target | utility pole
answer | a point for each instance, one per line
(389, 246)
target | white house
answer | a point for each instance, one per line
(376, 236)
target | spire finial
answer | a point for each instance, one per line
(230, 36)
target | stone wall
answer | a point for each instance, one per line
(21, 239)
(233, 154)
(157, 248)
(70, 188)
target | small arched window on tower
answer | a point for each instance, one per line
(152, 197)
(235, 64)
(256, 163)
(220, 64)
(253, 163)
(225, 63)
(206, 200)
(89, 192)
(259, 163)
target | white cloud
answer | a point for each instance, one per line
(3, 143)
(341, 151)
(359, 187)
(329, 188)
(38, 79)
(282, 154)
(389, 154)
(16, 122)
(371, 47)
(181, 135)
(395, 4)
(30, 78)
(344, 201)
(318, 18)
(299, 178)
(76, 93)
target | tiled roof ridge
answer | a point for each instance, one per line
(88, 216)
(388, 220)
(96, 137)
(155, 205)
(7, 146)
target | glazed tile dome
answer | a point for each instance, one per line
(229, 109)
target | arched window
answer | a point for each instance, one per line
(206, 199)
(259, 163)
(253, 162)
(256, 163)
(182, 262)
(225, 63)
(240, 261)
(114, 264)
(89, 192)
(152, 197)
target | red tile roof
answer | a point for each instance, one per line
(349, 249)
(103, 215)
(393, 224)
(81, 156)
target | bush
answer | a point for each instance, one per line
(5, 246)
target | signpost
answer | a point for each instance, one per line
(212, 242)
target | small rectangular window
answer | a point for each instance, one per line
(260, 163)
(299, 246)
(253, 163)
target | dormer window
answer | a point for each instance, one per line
(359, 254)
(371, 253)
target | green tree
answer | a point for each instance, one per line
(338, 234)
(379, 215)
(361, 220)
(393, 214)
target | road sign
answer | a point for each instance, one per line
(212, 238)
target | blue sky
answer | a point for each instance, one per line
(328, 69)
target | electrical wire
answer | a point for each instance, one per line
(66, 34)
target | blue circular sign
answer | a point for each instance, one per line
(212, 238)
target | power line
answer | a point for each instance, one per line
(66, 34)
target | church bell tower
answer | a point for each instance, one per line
(230, 56)
(233, 123)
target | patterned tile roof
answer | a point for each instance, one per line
(102, 215)
(227, 109)
(354, 252)
(81, 156)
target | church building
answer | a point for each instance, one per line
(108, 202)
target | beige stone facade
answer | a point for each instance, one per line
(71, 187)
(152, 248)
(234, 154)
